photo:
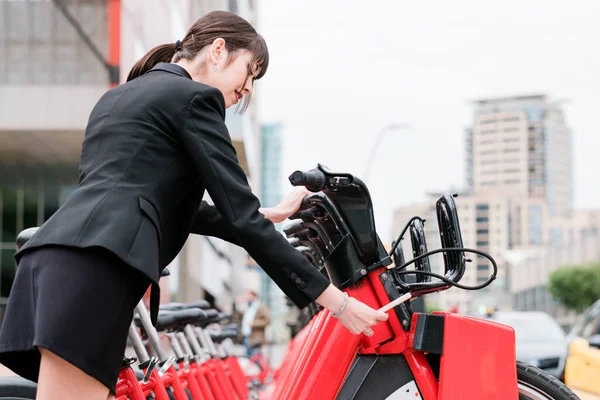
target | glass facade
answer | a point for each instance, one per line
(40, 46)
(29, 195)
(270, 165)
(535, 224)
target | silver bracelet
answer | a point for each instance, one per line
(336, 315)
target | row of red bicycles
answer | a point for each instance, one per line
(190, 354)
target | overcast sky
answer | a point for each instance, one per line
(342, 70)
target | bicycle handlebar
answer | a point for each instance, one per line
(313, 180)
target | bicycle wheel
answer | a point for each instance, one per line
(17, 388)
(535, 384)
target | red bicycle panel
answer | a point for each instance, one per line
(478, 361)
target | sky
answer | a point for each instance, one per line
(341, 71)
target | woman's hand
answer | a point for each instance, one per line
(288, 206)
(357, 317)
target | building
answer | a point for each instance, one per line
(49, 81)
(486, 225)
(271, 194)
(56, 63)
(573, 240)
(521, 147)
(517, 206)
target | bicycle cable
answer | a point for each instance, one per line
(397, 242)
(397, 273)
(443, 278)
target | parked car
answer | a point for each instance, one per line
(540, 340)
(582, 366)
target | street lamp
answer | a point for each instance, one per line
(378, 140)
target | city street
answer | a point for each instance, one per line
(260, 170)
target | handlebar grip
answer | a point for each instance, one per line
(313, 180)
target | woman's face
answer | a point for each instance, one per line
(234, 80)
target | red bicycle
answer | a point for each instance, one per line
(413, 355)
(439, 356)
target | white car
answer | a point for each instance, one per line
(540, 340)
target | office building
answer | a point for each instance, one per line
(521, 147)
(518, 200)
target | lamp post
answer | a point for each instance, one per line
(378, 140)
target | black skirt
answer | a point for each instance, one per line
(77, 303)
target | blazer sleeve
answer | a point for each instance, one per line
(210, 222)
(207, 140)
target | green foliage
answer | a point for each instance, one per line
(431, 307)
(577, 287)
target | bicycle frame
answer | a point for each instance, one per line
(401, 355)
(329, 352)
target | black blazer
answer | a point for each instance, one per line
(152, 147)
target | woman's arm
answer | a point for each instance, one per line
(205, 137)
(209, 221)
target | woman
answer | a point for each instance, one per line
(152, 147)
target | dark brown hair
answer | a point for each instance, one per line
(235, 30)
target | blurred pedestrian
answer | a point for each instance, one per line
(256, 318)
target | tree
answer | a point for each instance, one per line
(431, 307)
(577, 287)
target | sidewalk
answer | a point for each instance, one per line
(586, 396)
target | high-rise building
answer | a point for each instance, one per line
(521, 146)
(270, 146)
(271, 195)
(518, 197)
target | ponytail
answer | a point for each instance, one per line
(162, 53)
(236, 31)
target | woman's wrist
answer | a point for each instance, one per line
(272, 214)
(332, 299)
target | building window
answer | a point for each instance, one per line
(534, 219)
(512, 119)
(511, 139)
(511, 150)
(512, 181)
(483, 231)
(40, 46)
(482, 207)
(512, 170)
(488, 183)
(483, 267)
(483, 243)
(512, 129)
(28, 196)
(534, 113)
(487, 121)
(482, 219)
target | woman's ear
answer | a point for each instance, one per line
(217, 51)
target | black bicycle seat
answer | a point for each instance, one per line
(176, 320)
(231, 326)
(218, 337)
(212, 316)
(201, 304)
